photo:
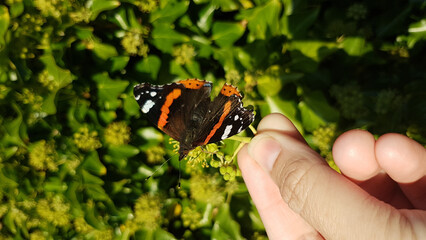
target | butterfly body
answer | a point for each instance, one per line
(185, 111)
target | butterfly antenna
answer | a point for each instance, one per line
(161, 166)
(179, 175)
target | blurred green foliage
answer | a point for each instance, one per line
(75, 150)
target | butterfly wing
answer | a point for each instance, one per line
(225, 117)
(170, 107)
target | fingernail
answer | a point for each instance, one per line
(266, 152)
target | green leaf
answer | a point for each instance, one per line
(118, 155)
(123, 151)
(226, 5)
(93, 164)
(286, 107)
(91, 179)
(107, 116)
(62, 76)
(104, 51)
(205, 17)
(356, 46)
(165, 37)
(12, 128)
(118, 63)
(268, 85)
(16, 9)
(150, 134)
(170, 12)
(316, 111)
(149, 66)
(4, 25)
(263, 21)
(99, 6)
(194, 69)
(225, 227)
(316, 50)
(130, 105)
(109, 90)
(225, 34)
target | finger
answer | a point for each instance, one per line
(354, 154)
(328, 201)
(279, 220)
(405, 161)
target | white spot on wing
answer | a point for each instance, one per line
(137, 97)
(240, 129)
(147, 106)
(236, 117)
(153, 94)
(226, 132)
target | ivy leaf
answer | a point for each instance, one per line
(109, 90)
(226, 33)
(99, 6)
(170, 12)
(165, 37)
(225, 227)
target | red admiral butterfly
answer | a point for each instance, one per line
(185, 112)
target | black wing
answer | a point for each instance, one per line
(170, 107)
(225, 117)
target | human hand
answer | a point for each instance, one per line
(381, 193)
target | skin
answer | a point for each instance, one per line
(381, 193)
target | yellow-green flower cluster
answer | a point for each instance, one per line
(55, 210)
(250, 81)
(229, 172)
(47, 80)
(17, 215)
(147, 214)
(38, 235)
(323, 137)
(351, 101)
(198, 157)
(105, 234)
(146, 5)
(233, 76)
(206, 188)
(81, 14)
(183, 54)
(86, 140)
(117, 133)
(155, 154)
(81, 226)
(191, 217)
(43, 156)
(72, 163)
(134, 44)
(29, 97)
(357, 11)
(28, 25)
(51, 8)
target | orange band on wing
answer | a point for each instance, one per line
(162, 121)
(192, 83)
(225, 113)
(229, 90)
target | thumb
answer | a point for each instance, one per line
(329, 202)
